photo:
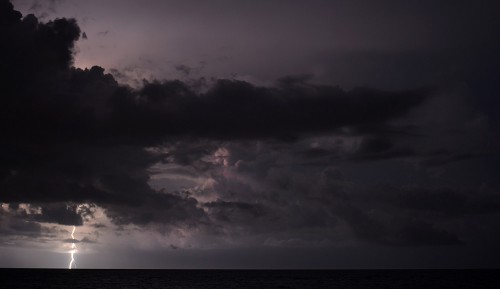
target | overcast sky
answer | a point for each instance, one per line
(266, 134)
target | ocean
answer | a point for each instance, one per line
(255, 279)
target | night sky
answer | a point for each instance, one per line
(257, 134)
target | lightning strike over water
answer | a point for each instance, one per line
(73, 249)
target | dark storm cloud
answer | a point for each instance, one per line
(78, 136)
(326, 201)
(236, 109)
(399, 230)
(20, 223)
(444, 201)
(184, 69)
(235, 211)
(259, 185)
(59, 213)
(158, 207)
(86, 105)
(412, 216)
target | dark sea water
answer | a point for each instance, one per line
(258, 279)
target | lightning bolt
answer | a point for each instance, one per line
(73, 249)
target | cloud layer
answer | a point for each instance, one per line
(231, 162)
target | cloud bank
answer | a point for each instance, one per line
(233, 162)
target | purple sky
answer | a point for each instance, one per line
(340, 42)
(266, 134)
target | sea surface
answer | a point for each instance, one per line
(258, 279)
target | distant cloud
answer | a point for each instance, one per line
(73, 136)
